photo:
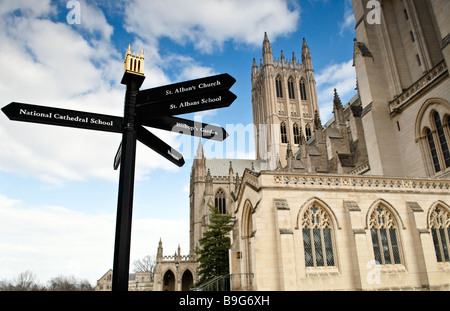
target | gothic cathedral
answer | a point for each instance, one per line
(361, 202)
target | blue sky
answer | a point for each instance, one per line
(58, 190)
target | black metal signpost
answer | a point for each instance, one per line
(154, 108)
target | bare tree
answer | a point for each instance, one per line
(146, 264)
(26, 281)
(68, 283)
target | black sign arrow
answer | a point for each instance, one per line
(153, 142)
(184, 89)
(118, 157)
(187, 127)
(194, 103)
(63, 117)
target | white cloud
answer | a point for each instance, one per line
(348, 22)
(209, 23)
(52, 240)
(341, 76)
(51, 64)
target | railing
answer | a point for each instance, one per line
(230, 282)
(218, 283)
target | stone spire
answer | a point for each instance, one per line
(306, 55)
(255, 70)
(200, 154)
(267, 51)
(337, 101)
(338, 109)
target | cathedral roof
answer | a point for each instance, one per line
(221, 167)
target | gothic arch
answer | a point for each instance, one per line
(318, 225)
(424, 115)
(291, 87)
(279, 86)
(438, 222)
(220, 200)
(169, 280)
(247, 224)
(187, 279)
(323, 205)
(384, 224)
(247, 230)
(302, 88)
(434, 154)
(432, 207)
(389, 206)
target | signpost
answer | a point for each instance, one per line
(153, 107)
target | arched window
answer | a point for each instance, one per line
(308, 132)
(302, 90)
(284, 139)
(383, 229)
(442, 139)
(296, 134)
(434, 155)
(317, 231)
(279, 87)
(291, 88)
(433, 134)
(220, 201)
(440, 231)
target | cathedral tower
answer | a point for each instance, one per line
(401, 58)
(284, 100)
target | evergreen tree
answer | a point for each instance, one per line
(214, 246)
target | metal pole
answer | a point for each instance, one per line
(126, 185)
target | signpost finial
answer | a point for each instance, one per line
(134, 63)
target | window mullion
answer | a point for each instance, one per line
(380, 243)
(324, 250)
(313, 247)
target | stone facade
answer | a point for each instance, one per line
(361, 202)
(318, 232)
(174, 273)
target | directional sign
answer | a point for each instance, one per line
(118, 157)
(154, 108)
(187, 127)
(63, 117)
(194, 103)
(153, 142)
(184, 89)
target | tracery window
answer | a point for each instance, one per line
(434, 155)
(219, 201)
(440, 231)
(296, 134)
(308, 132)
(279, 87)
(284, 139)
(442, 138)
(383, 229)
(302, 90)
(291, 88)
(317, 231)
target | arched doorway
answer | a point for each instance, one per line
(169, 281)
(187, 280)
